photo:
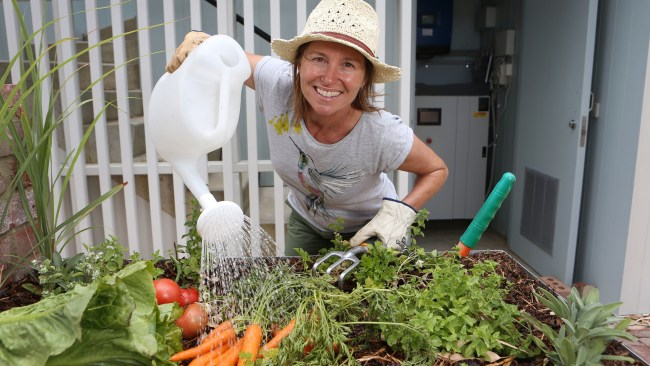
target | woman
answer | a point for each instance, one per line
(328, 142)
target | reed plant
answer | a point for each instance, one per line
(28, 122)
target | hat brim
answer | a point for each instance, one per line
(286, 50)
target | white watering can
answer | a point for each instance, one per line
(194, 111)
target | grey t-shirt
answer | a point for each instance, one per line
(346, 179)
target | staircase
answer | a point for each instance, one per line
(137, 117)
(110, 94)
(137, 124)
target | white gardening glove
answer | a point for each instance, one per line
(192, 40)
(390, 225)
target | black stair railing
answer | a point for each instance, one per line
(240, 20)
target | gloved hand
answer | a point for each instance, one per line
(390, 225)
(191, 41)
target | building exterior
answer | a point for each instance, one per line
(604, 240)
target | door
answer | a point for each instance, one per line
(556, 52)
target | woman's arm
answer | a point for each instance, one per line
(253, 59)
(430, 170)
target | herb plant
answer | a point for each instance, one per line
(379, 267)
(59, 275)
(588, 326)
(451, 309)
(187, 258)
(419, 304)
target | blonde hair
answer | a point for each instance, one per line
(362, 102)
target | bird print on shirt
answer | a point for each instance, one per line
(321, 186)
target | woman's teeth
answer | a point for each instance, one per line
(325, 93)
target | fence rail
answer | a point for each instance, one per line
(150, 213)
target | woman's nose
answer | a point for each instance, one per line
(329, 73)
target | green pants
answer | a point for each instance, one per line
(301, 234)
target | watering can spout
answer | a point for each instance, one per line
(195, 110)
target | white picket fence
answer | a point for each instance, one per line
(137, 215)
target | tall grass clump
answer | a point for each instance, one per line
(30, 113)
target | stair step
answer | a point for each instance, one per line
(106, 50)
(83, 73)
(132, 72)
(111, 113)
(107, 32)
(113, 137)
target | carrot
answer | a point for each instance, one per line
(252, 340)
(203, 359)
(282, 334)
(229, 358)
(218, 329)
(309, 345)
(225, 336)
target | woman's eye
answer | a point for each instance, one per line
(315, 59)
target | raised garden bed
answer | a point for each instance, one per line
(524, 284)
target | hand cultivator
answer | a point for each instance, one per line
(347, 256)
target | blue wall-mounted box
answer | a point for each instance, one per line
(434, 24)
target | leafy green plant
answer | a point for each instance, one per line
(379, 266)
(59, 275)
(114, 320)
(417, 229)
(587, 327)
(453, 309)
(305, 259)
(428, 304)
(31, 142)
(187, 258)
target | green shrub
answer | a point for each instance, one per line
(588, 326)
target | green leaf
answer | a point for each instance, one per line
(581, 357)
(592, 297)
(30, 334)
(114, 321)
(566, 352)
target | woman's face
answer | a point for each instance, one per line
(331, 75)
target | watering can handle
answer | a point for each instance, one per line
(485, 214)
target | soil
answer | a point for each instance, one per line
(524, 283)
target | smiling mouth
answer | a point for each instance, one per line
(328, 94)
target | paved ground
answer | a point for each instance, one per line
(640, 329)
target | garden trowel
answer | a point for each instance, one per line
(485, 214)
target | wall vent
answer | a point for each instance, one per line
(539, 208)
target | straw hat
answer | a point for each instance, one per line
(353, 23)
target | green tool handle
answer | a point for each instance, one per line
(482, 219)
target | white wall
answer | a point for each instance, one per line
(636, 277)
(612, 196)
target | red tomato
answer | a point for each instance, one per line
(184, 298)
(189, 295)
(193, 321)
(167, 291)
(192, 295)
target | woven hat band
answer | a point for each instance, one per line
(345, 37)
